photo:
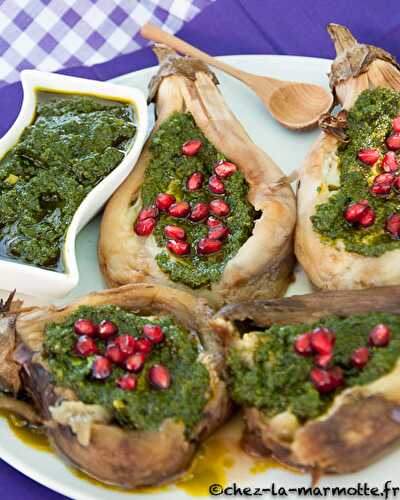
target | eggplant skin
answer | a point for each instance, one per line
(114, 455)
(362, 430)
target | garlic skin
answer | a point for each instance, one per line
(356, 68)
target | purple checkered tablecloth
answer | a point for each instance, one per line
(54, 34)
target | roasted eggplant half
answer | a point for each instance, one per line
(205, 210)
(126, 382)
(348, 208)
(318, 376)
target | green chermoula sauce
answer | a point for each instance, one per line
(145, 407)
(279, 379)
(167, 172)
(73, 143)
(369, 124)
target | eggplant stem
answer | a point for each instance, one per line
(341, 37)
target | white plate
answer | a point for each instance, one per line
(288, 150)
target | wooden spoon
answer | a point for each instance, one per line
(297, 106)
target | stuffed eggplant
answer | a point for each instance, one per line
(348, 209)
(319, 377)
(125, 382)
(203, 210)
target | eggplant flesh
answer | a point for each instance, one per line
(85, 435)
(362, 423)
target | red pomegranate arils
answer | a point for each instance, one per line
(368, 156)
(383, 184)
(393, 141)
(380, 335)
(213, 222)
(174, 232)
(135, 362)
(144, 227)
(225, 169)
(360, 357)
(178, 247)
(164, 201)
(159, 377)
(144, 345)
(148, 213)
(127, 382)
(218, 233)
(354, 211)
(326, 381)
(199, 212)
(392, 226)
(85, 346)
(367, 218)
(323, 360)
(154, 333)
(207, 246)
(195, 181)
(85, 327)
(219, 208)
(107, 329)
(215, 185)
(389, 162)
(101, 368)
(396, 124)
(323, 340)
(302, 344)
(126, 344)
(192, 147)
(336, 376)
(114, 354)
(180, 209)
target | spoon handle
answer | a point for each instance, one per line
(155, 34)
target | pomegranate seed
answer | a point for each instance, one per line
(392, 226)
(386, 178)
(322, 340)
(323, 360)
(101, 368)
(178, 247)
(367, 218)
(154, 333)
(207, 246)
(380, 335)
(114, 354)
(135, 362)
(107, 329)
(159, 377)
(393, 141)
(180, 209)
(396, 124)
(164, 201)
(127, 382)
(302, 344)
(368, 156)
(191, 148)
(326, 380)
(199, 212)
(225, 169)
(215, 185)
(213, 222)
(382, 184)
(381, 189)
(174, 232)
(144, 227)
(144, 345)
(126, 344)
(195, 181)
(85, 346)
(218, 233)
(219, 208)
(148, 213)
(354, 211)
(389, 162)
(360, 357)
(85, 327)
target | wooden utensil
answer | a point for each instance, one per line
(297, 106)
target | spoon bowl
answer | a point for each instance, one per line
(295, 105)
